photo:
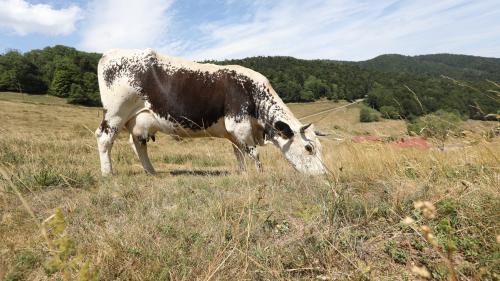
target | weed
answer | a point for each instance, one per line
(8, 155)
(397, 254)
(25, 261)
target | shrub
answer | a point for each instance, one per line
(368, 114)
(389, 112)
(439, 125)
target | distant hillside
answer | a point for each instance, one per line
(459, 67)
(398, 86)
(298, 80)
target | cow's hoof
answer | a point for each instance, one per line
(106, 174)
(150, 173)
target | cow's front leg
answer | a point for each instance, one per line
(238, 152)
(254, 154)
(241, 132)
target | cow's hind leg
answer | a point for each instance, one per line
(131, 141)
(142, 128)
(140, 147)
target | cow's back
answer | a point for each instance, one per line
(191, 94)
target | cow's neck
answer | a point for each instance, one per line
(273, 109)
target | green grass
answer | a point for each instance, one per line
(34, 99)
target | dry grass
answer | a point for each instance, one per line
(200, 220)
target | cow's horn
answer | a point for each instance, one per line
(304, 128)
(321, 134)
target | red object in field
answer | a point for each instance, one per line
(417, 142)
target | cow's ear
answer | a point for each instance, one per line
(283, 129)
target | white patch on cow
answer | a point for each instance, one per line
(104, 144)
(240, 130)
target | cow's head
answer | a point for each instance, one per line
(300, 146)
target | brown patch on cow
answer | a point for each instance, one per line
(196, 99)
(104, 127)
(111, 72)
(126, 65)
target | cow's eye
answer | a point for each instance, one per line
(309, 148)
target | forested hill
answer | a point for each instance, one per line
(398, 86)
(457, 66)
(299, 80)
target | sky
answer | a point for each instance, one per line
(227, 29)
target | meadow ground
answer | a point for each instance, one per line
(198, 219)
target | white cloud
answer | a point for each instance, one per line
(23, 18)
(125, 24)
(353, 30)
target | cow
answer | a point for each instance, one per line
(146, 92)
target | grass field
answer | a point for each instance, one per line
(198, 219)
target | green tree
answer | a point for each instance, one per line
(306, 95)
(18, 74)
(65, 75)
(315, 88)
(334, 92)
(86, 93)
(289, 90)
(389, 112)
(76, 95)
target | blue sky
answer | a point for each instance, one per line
(220, 29)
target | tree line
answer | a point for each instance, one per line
(59, 71)
(405, 93)
(396, 86)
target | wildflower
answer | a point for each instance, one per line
(408, 221)
(427, 208)
(421, 271)
(426, 230)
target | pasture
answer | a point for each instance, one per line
(198, 219)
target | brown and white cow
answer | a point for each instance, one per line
(146, 92)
